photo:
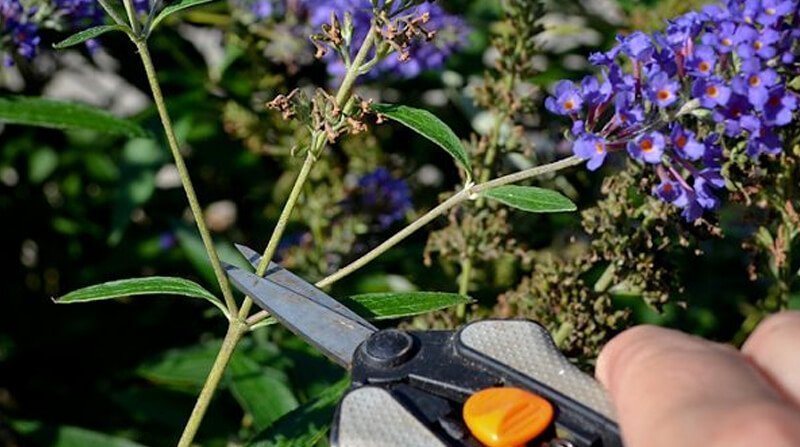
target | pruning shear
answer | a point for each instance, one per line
(495, 383)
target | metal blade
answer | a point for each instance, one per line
(281, 276)
(332, 333)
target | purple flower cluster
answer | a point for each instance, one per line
(382, 196)
(18, 32)
(451, 35)
(732, 60)
(20, 25)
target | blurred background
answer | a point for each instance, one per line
(79, 208)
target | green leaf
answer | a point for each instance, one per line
(155, 285)
(531, 199)
(64, 115)
(67, 436)
(176, 7)
(429, 126)
(305, 425)
(262, 392)
(41, 164)
(141, 159)
(383, 306)
(181, 369)
(87, 34)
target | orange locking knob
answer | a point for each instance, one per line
(507, 417)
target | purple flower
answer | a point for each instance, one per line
(637, 45)
(567, 100)
(595, 92)
(669, 191)
(755, 84)
(757, 44)
(591, 147)
(648, 147)
(663, 90)
(724, 39)
(702, 62)
(712, 92)
(686, 144)
(772, 11)
(779, 107)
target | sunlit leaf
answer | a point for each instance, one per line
(305, 425)
(87, 34)
(64, 115)
(429, 126)
(174, 7)
(382, 306)
(531, 199)
(154, 285)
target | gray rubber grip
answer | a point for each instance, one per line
(527, 347)
(371, 417)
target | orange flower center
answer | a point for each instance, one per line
(569, 104)
(646, 145)
(754, 81)
(664, 95)
(758, 45)
(668, 187)
(727, 42)
(770, 11)
(704, 66)
(599, 147)
(712, 91)
(680, 141)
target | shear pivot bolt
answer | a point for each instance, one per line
(389, 347)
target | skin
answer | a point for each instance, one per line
(673, 389)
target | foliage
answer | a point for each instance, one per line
(333, 163)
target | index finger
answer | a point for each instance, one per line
(673, 389)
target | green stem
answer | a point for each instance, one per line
(132, 19)
(454, 200)
(346, 89)
(286, 213)
(236, 330)
(463, 285)
(186, 180)
(241, 324)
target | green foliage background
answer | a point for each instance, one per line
(131, 369)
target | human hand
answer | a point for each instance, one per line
(673, 389)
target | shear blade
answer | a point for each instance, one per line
(328, 329)
(280, 275)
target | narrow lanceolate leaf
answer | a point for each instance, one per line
(531, 199)
(176, 7)
(155, 285)
(383, 306)
(307, 424)
(429, 126)
(87, 34)
(64, 115)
